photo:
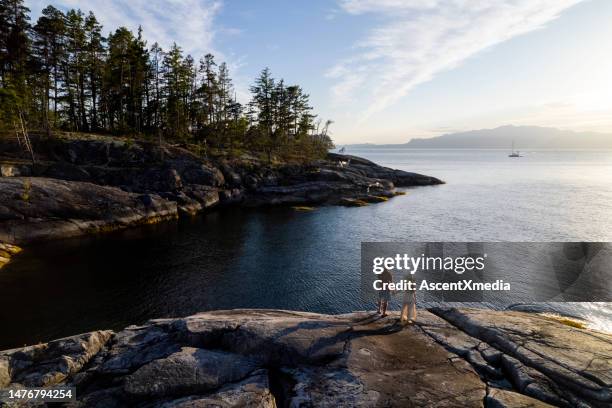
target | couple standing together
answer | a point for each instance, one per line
(408, 314)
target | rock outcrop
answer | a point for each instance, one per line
(93, 184)
(38, 208)
(370, 169)
(271, 358)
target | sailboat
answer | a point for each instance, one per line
(514, 153)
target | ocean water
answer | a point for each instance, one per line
(280, 258)
(542, 196)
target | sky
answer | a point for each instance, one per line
(386, 71)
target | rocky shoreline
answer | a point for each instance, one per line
(96, 184)
(272, 358)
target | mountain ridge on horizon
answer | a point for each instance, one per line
(502, 137)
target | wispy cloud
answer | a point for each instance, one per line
(418, 39)
(189, 23)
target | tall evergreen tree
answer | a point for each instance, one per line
(14, 41)
(94, 61)
(74, 73)
(126, 75)
(14, 59)
(155, 104)
(262, 105)
(174, 81)
(209, 87)
(49, 33)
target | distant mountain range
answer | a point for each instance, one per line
(524, 138)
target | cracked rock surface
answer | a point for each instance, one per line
(272, 358)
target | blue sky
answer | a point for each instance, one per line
(389, 70)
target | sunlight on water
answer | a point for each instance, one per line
(543, 196)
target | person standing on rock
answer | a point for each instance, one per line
(409, 312)
(384, 295)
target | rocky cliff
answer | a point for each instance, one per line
(271, 358)
(92, 184)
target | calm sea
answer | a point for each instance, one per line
(280, 258)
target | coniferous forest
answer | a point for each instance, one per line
(61, 73)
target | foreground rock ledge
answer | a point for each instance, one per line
(268, 358)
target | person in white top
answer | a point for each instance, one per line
(409, 313)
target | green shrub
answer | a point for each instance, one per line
(27, 188)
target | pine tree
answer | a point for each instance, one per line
(262, 105)
(224, 90)
(14, 60)
(174, 83)
(95, 62)
(14, 42)
(74, 79)
(117, 79)
(139, 63)
(188, 88)
(126, 77)
(282, 112)
(209, 88)
(48, 49)
(155, 105)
